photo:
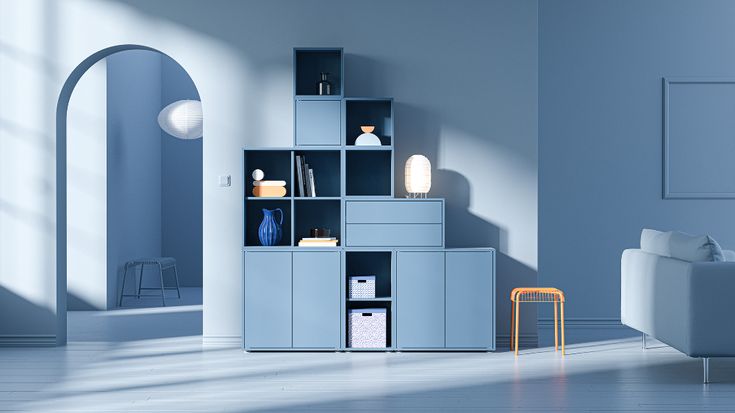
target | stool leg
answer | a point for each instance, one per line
(176, 275)
(556, 328)
(140, 279)
(562, 328)
(122, 290)
(512, 322)
(163, 291)
(518, 308)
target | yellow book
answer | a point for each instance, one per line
(269, 191)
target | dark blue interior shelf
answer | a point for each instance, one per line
(309, 63)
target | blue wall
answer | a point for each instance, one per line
(154, 180)
(133, 161)
(600, 141)
(464, 79)
(181, 181)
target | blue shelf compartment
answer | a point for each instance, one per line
(370, 261)
(360, 111)
(309, 62)
(276, 163)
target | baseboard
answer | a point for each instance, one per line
(584, 330)
(591, 322)
(502, 342)
(27, 341)
(222, 341)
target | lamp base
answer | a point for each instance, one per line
(417, 195)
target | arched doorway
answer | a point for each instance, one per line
(62, 168)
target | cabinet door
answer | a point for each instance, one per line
(470, 299)
(318, 122)
(267, 299)
(420, 299)
(316, 299)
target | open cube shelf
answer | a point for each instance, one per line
(369, 112)
(320, 213)
(254, 217)
(326, 168)
(275, 164)
(369, 173)
(310, 63)
(377, 263)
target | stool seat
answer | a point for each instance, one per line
(163, 263)
(536, 295)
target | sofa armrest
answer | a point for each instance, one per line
(712, 292)
(654, 296)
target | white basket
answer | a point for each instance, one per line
(362, 286)
(367, 328)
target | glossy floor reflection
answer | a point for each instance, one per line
(171, 371)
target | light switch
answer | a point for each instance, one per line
(225, 180)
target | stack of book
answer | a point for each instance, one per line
(318, 242)
(269, 188)
(305, 177)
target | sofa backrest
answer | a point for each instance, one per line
(680, 245)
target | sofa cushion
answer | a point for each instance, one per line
(681, 245)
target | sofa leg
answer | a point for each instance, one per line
(643, 341)
(705, 365)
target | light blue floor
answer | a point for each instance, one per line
(152, 359)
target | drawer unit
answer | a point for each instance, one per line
(394, 212)
(394, 223)
(394, 235)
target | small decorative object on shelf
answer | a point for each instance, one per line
(362, 286)
(320, 232)
(323, 87)
(261, 188)
(367, 138)
(318, 242)
(418, 176)
(367, 328)
(270, 232)
(258, 175)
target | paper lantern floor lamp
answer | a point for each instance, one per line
(418, 176)
(182, 119)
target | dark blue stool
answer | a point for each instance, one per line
(163, 263)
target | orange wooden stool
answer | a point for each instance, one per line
(535, 295)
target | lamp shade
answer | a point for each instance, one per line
(182, 119)
(418, 175)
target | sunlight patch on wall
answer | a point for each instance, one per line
(503, 188)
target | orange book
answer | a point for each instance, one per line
(269, 191)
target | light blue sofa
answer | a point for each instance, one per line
(680, 289)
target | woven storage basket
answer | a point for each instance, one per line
(367, 328)
(362, 286)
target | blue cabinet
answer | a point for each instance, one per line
(318, 122)
(267, 286)
(470, 299)
(316, 299)
(420, 299)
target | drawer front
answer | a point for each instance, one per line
(394, 235)
(394, 212)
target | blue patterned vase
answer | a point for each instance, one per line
(270, 231)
